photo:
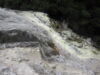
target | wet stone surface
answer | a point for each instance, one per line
(16, 36)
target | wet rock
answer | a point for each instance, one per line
(16, 36)
(48, 49)
(19, 44)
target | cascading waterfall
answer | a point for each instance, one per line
(61, 44)
(70, 56)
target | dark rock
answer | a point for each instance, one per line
(16, 36)
(48, 49)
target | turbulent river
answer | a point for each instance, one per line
(31, 46)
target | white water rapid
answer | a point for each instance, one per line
(73, 57)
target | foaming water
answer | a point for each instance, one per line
(39, 25)
(65, 47)
(25, 60)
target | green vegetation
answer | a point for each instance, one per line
(55, 24)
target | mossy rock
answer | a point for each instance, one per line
(55, 24)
